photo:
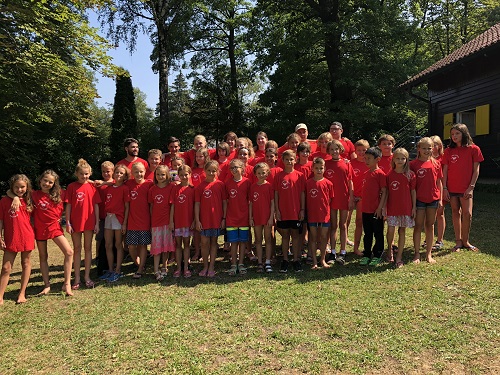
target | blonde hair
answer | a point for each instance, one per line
(82, 164)
(55, 190)
(424, 140)
(261, 166)
(288, 153)
(124, 167)
(326, 135)
(336, 143)
(362, 142)
(27, 194)
(163, 168)
(200, 137)
(386, 137)
(204, 152)
(237, 162)
(439, 142)
(107, 164)
(136, 165)
(248, 145)
(406, 167)
(185, 168)
(211, 163)
(155, 151)
(271, 144)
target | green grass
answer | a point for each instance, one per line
(422, 319)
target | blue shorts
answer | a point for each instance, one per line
(422, 205)
(237, 234)
(212, 232)
(319, 225)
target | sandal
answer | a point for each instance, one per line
(187, 273)
(211, 274)
(399, 264)
(456, 248)
(137, 275)
(232, 271)
(203, 273)
(75, 286)
(471, 248)
(269, 268)
(159, 276)
(89, 284)
(177, 274)
(242, 269)
(260, 268)
(164, 272)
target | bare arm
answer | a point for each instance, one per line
(2, 242)
(197, 216)
(69, 228)
(475, 175)
(125, 217)
(277, 206)
(270, 222)
(383, 199)
(96, 212)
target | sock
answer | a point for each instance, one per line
(343, 252)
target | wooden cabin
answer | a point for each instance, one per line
(464, 87)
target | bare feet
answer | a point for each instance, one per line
(325, 265)
(21, 299)
(45, 291)
(358, 253)
(67, 290)
(1, 301)
(315, 267)
(431, 260)
(416, 259)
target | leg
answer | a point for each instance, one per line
(268, 236)
(378, 231)
(333, 230)
(430, 218)
(441, 223)
(87, 244)
(108, 240)
(25, 275)
(368, 238)
(466, 222)
(457, 222)
(390, 239)
(63, 244)
(143, 254)
(178, 254)
(119, 250)
(44, 266)
(77, 257)
(313, 239)
(205, 250)
(323, 240)
(258, 229)
(132, 249)
(401, 244)
(8, 260)
(358, 231)
(197, 244)
(417, 233)
(285, 242)
(185, 253)
(296, 245)
(348, 222)
(213, 253)
(343, 229)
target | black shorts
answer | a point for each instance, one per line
(289, 224)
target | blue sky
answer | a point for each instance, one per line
(138, 64)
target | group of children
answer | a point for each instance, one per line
(200, 194)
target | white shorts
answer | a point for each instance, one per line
(111, 222)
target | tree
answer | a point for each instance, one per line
(46, 49)
(124, 121)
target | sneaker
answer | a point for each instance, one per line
(297, 266)
(364, 261)
(114, 277)
(284, 266)
(330, 258)
(375, 261)
(105, 276)
(268, 268)
(438, 245)
(340, 259)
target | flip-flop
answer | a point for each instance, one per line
(75, 286)
(211, 273)
(471, 248)
(456, 248)
(89, 284)
(137, 275)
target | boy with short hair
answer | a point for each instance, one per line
(154, 160)
(289, 200)
(373, 198)
(386, 143)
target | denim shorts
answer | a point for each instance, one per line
(319, 225)
(211, 232)
(422, 205)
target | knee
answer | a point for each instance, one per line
(6, 268)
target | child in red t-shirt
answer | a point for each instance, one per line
(261, 211)
(339, 172)
(175, 163)
(237, 217)
(260, 148)
(154, 160)
(223, 152)
(401, 202)
(210, 201)
(139, 219)
(304, 165)
(437, 153)
(373, 198)
(358, 171)
(182, 219)
(18, 235)
(82, 217)
(107, 169)
(115, 225)
(198, 173)
(429, 196)
(386, 143)
(162, 237)
(322, 151)
(289, 201)
(319, 194)
(461, 170)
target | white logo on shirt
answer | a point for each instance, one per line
(313, 193)
(394, 185)
(43, 205)
(255, 196)
(108, 197)
(80, 196)
(207, 193)
(285, 184)
(134, 194)
(13, 213)
(329, 173)
(421, 173)
(196, 177)
(454, 158)
(159, 198)
(181, 198)
(356, 172)
(233, 193)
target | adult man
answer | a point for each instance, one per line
(301, 130)
(349, 149)
(174, 146)
(131, 146)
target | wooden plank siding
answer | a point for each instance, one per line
(473, 84)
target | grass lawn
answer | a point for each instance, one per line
(420, 319)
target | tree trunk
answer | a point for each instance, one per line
(235, 102)
(163, 69)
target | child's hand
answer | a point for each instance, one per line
(193, 225)
(378, 213)
(468, 192)
(124, 228)
(198, 226)
(251, 222)
(352, 204)
(413, 212)
(222, 223)
(2, 244)
(270, 222)
(301, 215)
(69, 228)
(96, 228)
(278, 215)
(171, 226)
(446, 195)
(16, 203)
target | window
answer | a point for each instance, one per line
(477, 120)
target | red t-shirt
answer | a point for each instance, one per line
(139, 217)
(116, 196)
(149, 175)
(319, 195)
(237, 202)
(182, 197)
(339, 172)
(210, 195)
(289, 187)
(261, 197)
(197, 176)
(399, 187)
(47, 215)
(167, 158)
(17, 230)
(358, 170)
(305, 169)
(373, 182)
(312, 142)
(190, 156)
(82, 198)
(129, 164)
(102, 207)
(385, 164)
(160, 201)
(319, 154)
(348, 148)
(460, 162)
(428, 173)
